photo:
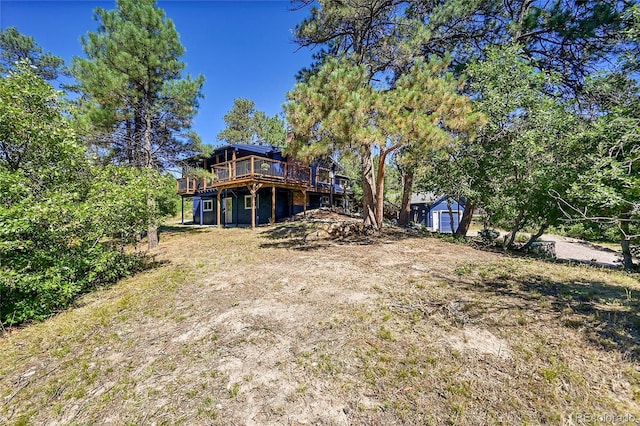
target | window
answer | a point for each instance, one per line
(247, 202)
(324, 201)
(207, 205)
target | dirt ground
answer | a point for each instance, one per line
(265, 327)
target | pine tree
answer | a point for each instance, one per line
(16, 47)
(338, 109)
(246, 124)
(137, 105)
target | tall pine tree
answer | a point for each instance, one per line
(137, 105)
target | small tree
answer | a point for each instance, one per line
(530, 146)
(608, 190)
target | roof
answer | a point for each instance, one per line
(423, 197)
(431, 199)
(258, 149)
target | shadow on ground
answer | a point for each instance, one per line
(303, 236)
(172, 230)
(609, 314)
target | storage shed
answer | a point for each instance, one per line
(436, 212)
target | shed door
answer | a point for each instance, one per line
(445, 222)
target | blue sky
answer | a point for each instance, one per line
(243, 48)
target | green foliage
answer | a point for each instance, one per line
(247, 125)
(32, 131)
(589, 231)
(16, 47)
(609, 189)
(64, 222)
(531, 148)
(488, 236)
(137, 107)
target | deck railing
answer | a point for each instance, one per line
(191, 184)
(265, 170)
(251, 168)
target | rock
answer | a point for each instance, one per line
(320, 234)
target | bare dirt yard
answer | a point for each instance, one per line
(284, 326)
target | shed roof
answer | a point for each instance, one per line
(424, 197)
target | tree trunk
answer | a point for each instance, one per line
(368, 187)
(407, 189)
(534, 237)
(152, 226)
(450, 214)
(627, 257)
(516, 227)
(380, 191)
(465, 221)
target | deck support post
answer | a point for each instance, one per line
(182, 219)
(201, 212)
(253, 189)
(304, 206)
(218, 209)
(233, 161)
(273, 205)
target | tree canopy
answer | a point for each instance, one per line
(16, 47)
(245, 124)
(139, 106)
(136, 105)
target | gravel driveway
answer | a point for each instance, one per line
(583, 251)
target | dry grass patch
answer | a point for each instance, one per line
(265, 327)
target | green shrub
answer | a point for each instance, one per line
(488, 236)
(64, 221)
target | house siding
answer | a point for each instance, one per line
(200, 216)
(240, 215)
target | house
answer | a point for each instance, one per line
(436, 211)
(258, 184)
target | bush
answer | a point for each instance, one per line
(488, 236)
(590, 231)
(63, 221)
(51, 250)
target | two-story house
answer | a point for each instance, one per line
(257, 184)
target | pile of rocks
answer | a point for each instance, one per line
(339, 230)
(544, 248)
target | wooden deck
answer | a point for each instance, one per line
(252, 170)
